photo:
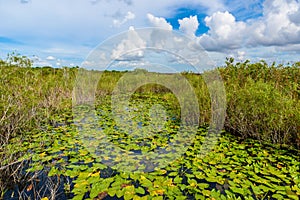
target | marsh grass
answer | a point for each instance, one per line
(263, 101)
(28, 99)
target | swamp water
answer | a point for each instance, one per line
(65, 160)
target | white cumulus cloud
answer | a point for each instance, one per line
(130, 48)
(50, 58)
(278, 25)
(159, 22)
(189, 25)
(224, 32)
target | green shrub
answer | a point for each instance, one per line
(28, 99)
(261, 111)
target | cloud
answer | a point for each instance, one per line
(224, 32)
(50, 58)
(278, 25)
(128, 2)
(128, 16)
(52, 24)
(241, 55)
(55, 22)
(33, 26)
(129, 49)
(244, 10)
(159, 22)
(159, 37)
(189, 25)
(39, 62)
(291, 48)
(295, 17)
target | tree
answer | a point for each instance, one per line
(16, 59)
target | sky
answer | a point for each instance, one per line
(63, 32)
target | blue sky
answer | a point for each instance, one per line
(63, 32)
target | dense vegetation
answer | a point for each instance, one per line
(38, 138)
